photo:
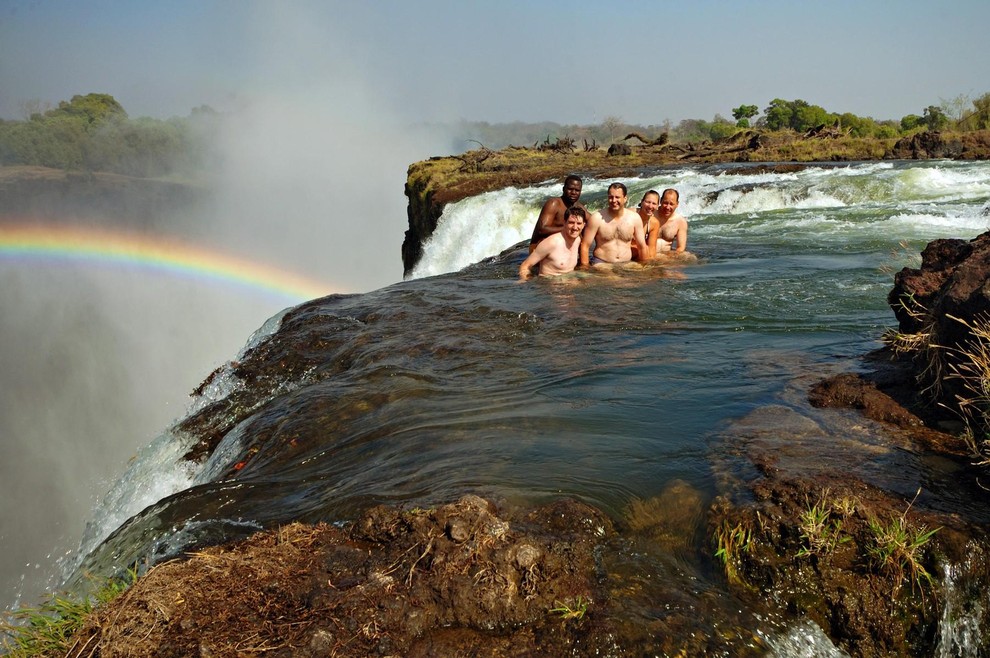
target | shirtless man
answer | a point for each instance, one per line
(613, 230)
(558, 253)
(673, 227)
(551, 219)
(646, 211)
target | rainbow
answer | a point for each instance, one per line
(155, 253)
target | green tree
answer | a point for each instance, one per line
(743, 114)
(935, 118)
(778, 114)
(911, 121)
(91, 108)
(807, 116)
(720, 128)
(979, 117)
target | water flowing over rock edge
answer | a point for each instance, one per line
(486, 578)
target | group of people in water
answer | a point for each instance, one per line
(567, 235)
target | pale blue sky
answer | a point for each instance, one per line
(571, 62)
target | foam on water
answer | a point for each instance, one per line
(804, 640)
(960, 635)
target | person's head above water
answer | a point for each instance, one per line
(668, 202)
(572, 189)
(650, 202)
(617, 194)
(575, 212)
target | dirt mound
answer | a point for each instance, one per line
(456, 580)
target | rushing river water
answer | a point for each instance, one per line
(608, 388)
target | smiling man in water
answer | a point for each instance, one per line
(551, 219)
(558, 253)
(613, 231)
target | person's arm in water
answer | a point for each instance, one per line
(535, 258)
(682, 236)
(587, 238)
(643, 251)
(651, 242)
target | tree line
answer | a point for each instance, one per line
(94, 133)
(960, 114)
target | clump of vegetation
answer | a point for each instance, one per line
(820, 530)
(897, 549)
(733, 542)
(968, 363)
(922, 346)
(972, 368)
(575, 610)
(49, 628)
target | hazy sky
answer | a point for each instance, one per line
(571, 62)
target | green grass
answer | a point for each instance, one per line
(821, 532)
(897, 549)
(732, 543)
(575, 610)
(48, 628)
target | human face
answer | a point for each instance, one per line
(574, 226)
(572, 191)
(616, 199)
(649, 205)
(668, 204)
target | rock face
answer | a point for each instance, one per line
(945, 306)
(926, 145)
(424, 212)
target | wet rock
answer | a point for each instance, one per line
(458, 530)
(852, 391)
(527, 556)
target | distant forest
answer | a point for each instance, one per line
(94, 132)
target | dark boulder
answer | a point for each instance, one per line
(926, 145)
(946, 300)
